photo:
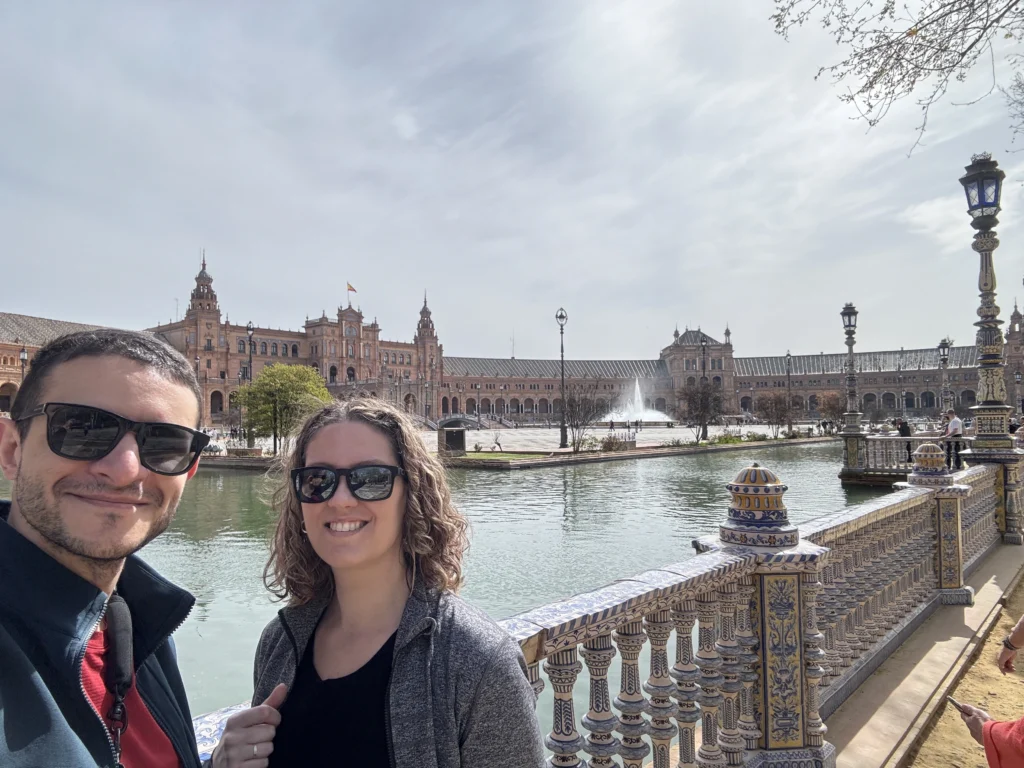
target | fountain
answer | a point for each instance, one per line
(634, 410)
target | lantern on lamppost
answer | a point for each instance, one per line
(789, 395)
(23, 357)
(947, 395)
(982, 185)
(561, 317)
(852, 415)
(703, 357)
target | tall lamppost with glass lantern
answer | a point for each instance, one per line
(983, 184)
(23, 357)
(250, 438)
(854, 447)
(789, 393)
(947, 394)
(562, 318)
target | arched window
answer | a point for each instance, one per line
(284, 350)
(717, 381)
(216, 402)
(241, 346)
(350, 330)
(334, 374)
(334, 350)
(351, 351)
(273, 349)
(263, 347)
(351, 373)
(295, 350)
(401, 358)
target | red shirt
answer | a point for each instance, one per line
(143, 743)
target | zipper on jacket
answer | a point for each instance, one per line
(80, 662)
(429, 629)
(185, 759)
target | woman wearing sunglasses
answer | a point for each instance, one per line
(377, 661)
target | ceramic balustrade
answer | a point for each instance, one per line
(979, 516)
(888, 453)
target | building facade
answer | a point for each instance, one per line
(354, 358)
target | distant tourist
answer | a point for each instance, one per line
(102, 440)
(374, 657)
(903, 428)
(953, 435)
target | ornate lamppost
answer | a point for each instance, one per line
(23, 357)
(982, 184)
(789, 395)
(1016, 391)
(851, 424)
(703, 358)
(197, 366)
(947, 395)
(562, 318)
(250, 329)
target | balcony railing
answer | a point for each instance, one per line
(895, 454)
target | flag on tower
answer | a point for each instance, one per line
(353, 290)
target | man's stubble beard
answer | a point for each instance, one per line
(44, 516)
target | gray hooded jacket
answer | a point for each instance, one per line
(458, 698)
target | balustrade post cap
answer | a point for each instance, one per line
(930, 467)
(757, 515)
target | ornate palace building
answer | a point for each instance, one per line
(353, 357)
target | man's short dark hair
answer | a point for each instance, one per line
(143, 348)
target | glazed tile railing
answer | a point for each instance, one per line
(895, 454)
(760, 636)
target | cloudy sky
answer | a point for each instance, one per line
(642, 164)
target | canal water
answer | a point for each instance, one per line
(537, 536)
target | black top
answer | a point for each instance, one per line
(339, 722)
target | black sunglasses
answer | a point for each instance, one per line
(373, 482)
(84, 433)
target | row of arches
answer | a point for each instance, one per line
(271, 349)
(691, 381)
(332, 374)
(926, 400)
(527, 406)
(9, 360)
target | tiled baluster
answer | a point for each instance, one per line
(876, 572)
(533, 675)
(842, 601)
(728, 648)
(748, 659)
(892, 574)
(710, 754)
(601, 744)
(862, 611)
(686, 674)
(630, 702)
(827, 612)
(563, 667)
(854, 612)
(659, 687)
(813, 657)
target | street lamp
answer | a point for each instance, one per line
(23, 356)
(982, 184)
(947, 395)
(789, 396)
(703, 358)
(197, 366)
(249, 329)
(851, 418)
(562, 318)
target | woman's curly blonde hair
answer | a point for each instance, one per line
(434, 533)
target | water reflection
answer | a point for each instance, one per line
(537, 536)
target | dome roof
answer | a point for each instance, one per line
(755, 474)
(204, 276)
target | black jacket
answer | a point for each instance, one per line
(47, 615)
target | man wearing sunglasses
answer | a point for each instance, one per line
(101, 440)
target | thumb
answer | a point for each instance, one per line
(277, 696)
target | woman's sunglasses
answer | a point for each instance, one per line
(315, 485)
(84, 433)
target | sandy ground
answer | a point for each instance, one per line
(1002, 696)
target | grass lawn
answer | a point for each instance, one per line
(502, 456)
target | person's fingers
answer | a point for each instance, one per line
(258, 734)
(277, 696)
(247, 718)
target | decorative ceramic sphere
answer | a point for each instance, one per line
(757, 515)
(929, 459)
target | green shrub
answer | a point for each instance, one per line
(756, 437)
(477, 447)
(726, 440)
(613, 443)
(673, 443)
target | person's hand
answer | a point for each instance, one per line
(975, 719)
(1005, 660)
(248, 737)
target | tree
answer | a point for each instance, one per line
(581, 412)
(773, 410)
(833, 408)
(895, 49)
(280, 398)
(703, 404)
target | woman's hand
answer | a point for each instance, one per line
(1006, 659)
(248, 737)
(975, 719)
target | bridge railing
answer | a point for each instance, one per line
(895, 454)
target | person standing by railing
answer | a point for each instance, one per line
(953, 435)
(903, 428)
(376, 660)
